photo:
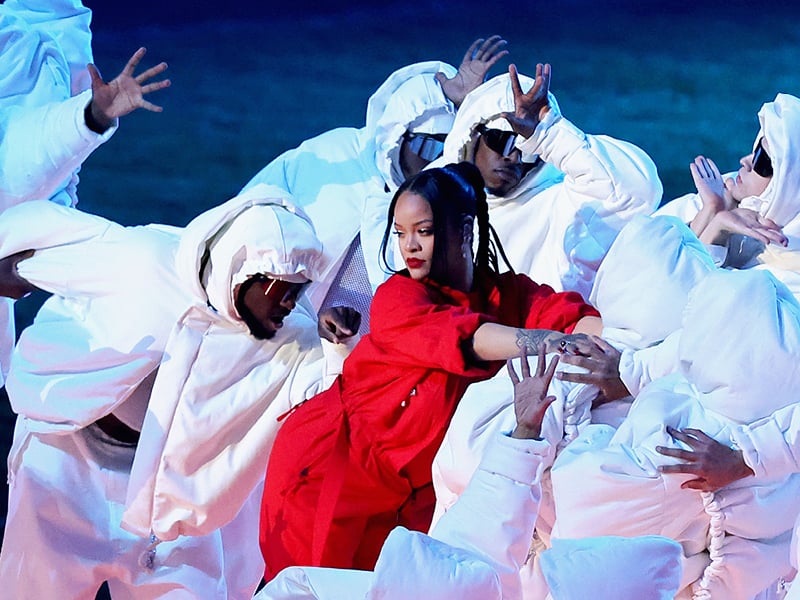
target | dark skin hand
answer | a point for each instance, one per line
(125, 93)
(531, 107)
(601, 359)
(479, 58)
(530, 394)
(713, 464)
(338, 323)
(11, 284)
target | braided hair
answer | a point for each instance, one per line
(454, 192)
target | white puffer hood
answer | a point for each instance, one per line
(62, 25)
(601, 567)
(409, 96)
(258, 231)
(25, 52)
(411, 565)
(740, 345)
(643, 284)
(441, 571)
(220, 390)
(780, 125)
(45, 46)
(485, 104)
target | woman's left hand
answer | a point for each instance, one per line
(745, 222)
(569, 343)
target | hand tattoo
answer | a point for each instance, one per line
(531, 339)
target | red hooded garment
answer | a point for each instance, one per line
(355, 461)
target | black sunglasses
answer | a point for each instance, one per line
(274, 287)
(762, 164)
(498, 140)
(428, 146)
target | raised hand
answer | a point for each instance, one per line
(713, 464)
(530, 107)
(530, 393)
(709, 183)
(338, 323)
(711, 189)
(479, 58)
(125, 93)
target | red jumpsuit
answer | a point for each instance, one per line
(355, 461)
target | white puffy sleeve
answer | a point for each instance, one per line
(771, 446)
(618, 178)
(503, 497)
(41, 147)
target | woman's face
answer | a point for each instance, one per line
(747, 182)
(413, 225)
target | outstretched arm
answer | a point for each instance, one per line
(123, 94)
(493, 341)
(505, 492)
(41, 146)
(479, 58)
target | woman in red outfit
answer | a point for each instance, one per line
(355, 461)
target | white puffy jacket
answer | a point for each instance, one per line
(130, 300)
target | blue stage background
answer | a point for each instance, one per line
(251, 80)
